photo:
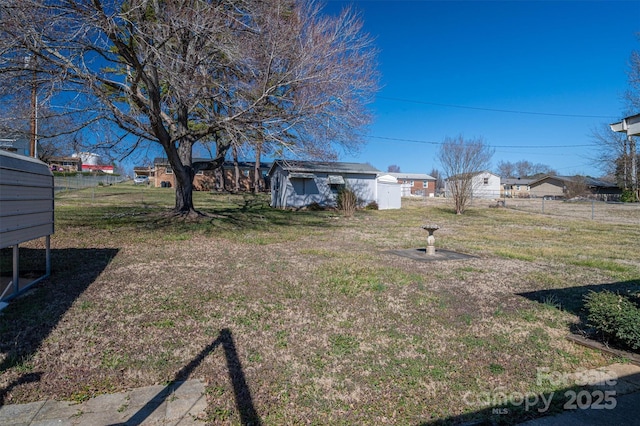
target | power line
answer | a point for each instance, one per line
(492, 146)
(509, 111)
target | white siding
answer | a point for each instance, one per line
(486, 185)
(389, 196)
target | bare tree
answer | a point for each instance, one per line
(576, 187)
(632, 96)
(523, 168)
(185, 72)
(461, 160)
(439, 180)
(614, 155)
(394, 168)
(506, 169)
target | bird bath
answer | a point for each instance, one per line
(431, 240)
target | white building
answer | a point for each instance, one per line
(483, 184)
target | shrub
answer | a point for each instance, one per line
(615, 316)
(372, 206)
(347, 202)
(315, 207)
(628, 196)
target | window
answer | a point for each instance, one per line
(486, 181)
(169, 170)
(411, 182)
(200, 173)
(425, 183)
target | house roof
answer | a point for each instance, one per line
(589, 181)
(412, 176)
(515, 181)
(324, 167)
(466, 175)
(163, 161)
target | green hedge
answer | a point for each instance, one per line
(615, 316)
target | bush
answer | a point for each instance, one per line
(628, 196)
(315, 207)
(347, 202)
(372, 206)
(615, 316)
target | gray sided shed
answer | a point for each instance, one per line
(26, 212)
(297, 184)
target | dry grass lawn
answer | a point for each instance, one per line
(300, 317)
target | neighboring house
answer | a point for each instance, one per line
(210, 180)
(297, 184)
(483, 184)
(515, 187)
(144, 171)
(558, 186)
(65, 164)
(417, 184)
(103, 168)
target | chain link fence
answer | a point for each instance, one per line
(612, 212)
(79, 181)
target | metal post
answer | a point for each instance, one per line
(16, 269)
(47, 244)
(634, 165)
(593, 203)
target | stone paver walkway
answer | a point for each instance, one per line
(181, 403)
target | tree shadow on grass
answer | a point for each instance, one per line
(30, 318)
(571, 299)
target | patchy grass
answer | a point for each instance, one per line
(306, 309)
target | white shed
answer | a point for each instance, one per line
(389, 192)
(26, 212)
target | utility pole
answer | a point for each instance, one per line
(33, 142)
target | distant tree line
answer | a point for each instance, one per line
(523, 169)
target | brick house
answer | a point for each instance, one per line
(416, 184)
(206, 180)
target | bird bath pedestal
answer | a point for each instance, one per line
(431, 240)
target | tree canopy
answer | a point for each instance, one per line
(277, 75)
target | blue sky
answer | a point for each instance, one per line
(532, 78)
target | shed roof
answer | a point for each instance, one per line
(324, 167)
(413, 176)
(13, 161)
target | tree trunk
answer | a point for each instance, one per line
(184, 174)
(257, 178)
(184, 196)
(236, 170)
